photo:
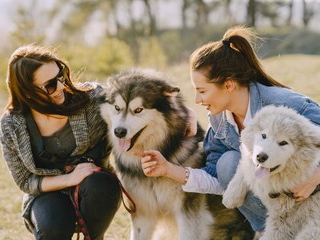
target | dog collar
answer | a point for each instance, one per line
(290, 194)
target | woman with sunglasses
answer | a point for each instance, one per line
(232, 85)
(49, 121)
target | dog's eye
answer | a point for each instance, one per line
(138, 110)
(264, 136)
(117, 108)
(282, 143)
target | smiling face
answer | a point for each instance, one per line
(214, 97)
(44, 75)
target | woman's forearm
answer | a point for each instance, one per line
(55, 183)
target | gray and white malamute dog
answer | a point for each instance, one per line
(144, 112)
(280, 149)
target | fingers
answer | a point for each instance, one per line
(147, 167)
(300, 199)
(300, 196)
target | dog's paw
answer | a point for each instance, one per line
(229, 200)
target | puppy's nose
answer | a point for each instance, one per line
(262, 157)
(120, 132)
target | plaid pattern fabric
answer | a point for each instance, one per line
(87, 126)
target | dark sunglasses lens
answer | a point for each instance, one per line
(51, 86)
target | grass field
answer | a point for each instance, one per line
(300, 72)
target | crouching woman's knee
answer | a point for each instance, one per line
(227, 166)
(101, 185)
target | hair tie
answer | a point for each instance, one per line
(226, 42)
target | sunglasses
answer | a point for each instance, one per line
(51, 86)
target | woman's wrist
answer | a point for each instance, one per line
(177, 173)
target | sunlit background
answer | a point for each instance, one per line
(99, 38)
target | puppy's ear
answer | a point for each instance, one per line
(170, 91)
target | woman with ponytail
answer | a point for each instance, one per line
(231, 84)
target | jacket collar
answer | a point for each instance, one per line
(255, 96)
(79, 127)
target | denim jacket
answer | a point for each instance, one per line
(222, 136)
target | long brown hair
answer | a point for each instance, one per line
(232, 57)
(23, 94)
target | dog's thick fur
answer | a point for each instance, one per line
(280, 149)
(144, 112)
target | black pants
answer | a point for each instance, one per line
(54, 217)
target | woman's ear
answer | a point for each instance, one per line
(229, 84)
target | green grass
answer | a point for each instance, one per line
(300, 72)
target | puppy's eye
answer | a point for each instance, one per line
(138, 110)
(264, 136)
(282, 143)
(117, 108)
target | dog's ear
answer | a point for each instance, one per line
(170, 91)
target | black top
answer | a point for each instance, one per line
(56, 148)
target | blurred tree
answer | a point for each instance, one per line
(28, 27)
(79, 15)
(185, 6)
(3, 68)
(308, 11)
(108, 57)
(112, 55)
(151, 54)
(290, 9)
(251, 13)
(151, 13)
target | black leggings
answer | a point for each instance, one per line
(54, 217)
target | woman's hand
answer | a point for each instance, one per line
(81, 171)
(153, 163)
(192, 123)
(304, 190)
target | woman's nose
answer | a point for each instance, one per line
(60, 85)
(197, 100)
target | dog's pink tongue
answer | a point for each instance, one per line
(124, 144)
(262, 172)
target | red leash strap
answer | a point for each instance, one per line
(74, 196)
(129, 210)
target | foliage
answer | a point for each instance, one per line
(3, 68)
(110, 56)
(151, 54)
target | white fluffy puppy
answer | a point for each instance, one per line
(280, 149)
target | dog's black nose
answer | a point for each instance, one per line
(262, 157)
(120, 132)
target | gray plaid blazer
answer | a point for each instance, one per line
(87, 126)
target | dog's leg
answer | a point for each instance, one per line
(194, 224)
(142, 227)
(236, 191)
